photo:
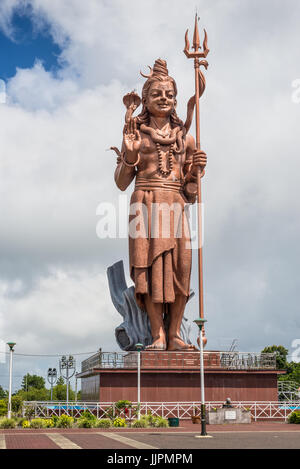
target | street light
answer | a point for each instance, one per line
(11, 349)
(139, 347)
(200, 323)
(52, 378)
(66, 365)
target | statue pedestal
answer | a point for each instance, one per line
(175, 377)
(228, 415)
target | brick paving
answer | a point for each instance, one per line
(254, 435)
(30, 441)
(92, 441)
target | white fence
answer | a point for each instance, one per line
(181, 410)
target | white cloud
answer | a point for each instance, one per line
(63, 313)
(55, 170)
(36, 88)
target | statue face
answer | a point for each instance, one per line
(161, 99)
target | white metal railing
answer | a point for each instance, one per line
(288, 390)
(182, 410)
(212, 359)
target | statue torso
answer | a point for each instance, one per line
(148, 166)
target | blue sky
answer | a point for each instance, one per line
(27, 45)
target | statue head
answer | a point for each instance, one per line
(159, 76)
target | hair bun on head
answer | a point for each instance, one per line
(160, 68)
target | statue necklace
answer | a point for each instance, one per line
(161, 137)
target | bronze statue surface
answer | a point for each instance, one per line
(161, 156)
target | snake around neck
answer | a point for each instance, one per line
(176, 135)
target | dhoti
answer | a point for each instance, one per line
(160, 254)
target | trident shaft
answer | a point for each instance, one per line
(199, 90)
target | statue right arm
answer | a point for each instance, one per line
(124, 174)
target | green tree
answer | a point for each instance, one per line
(3, 393)
(3, 407)
(34, 394)
(33, 381)
(292, 373)
(281, 354)
(60, 393)
(60, 381)
(16, 403)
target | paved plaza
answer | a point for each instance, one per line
(187, 436)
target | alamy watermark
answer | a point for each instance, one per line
(296, 93)
(154, 220)
(2, 351)
(296, 352)
(2, 91)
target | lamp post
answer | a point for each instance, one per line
(65, 366)
(11, 349)
(76, 388)
(52, 378)
(200, 323)
(139, 347)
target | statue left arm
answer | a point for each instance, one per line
(194, 159)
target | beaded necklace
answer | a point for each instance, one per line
(169, 162)
(163, 138)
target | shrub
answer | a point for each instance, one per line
(103, 423)
(150, 421)
(120, 405)
(123, 406)
(16, 403)
(54, 419)
(119, 422)
(142, 423)
(3, 407)
(49, 423)
(7, 423)
(29, 412)
(159, 422)
(84, 422)
(20, 420)
(294, 417)
(88, 415)
(37, 423)
(64, 421)
(26, 424)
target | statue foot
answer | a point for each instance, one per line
(177, 344)
(158, 344)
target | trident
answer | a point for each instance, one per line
(199, 90)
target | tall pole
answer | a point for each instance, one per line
(200, 323)
(11, 348)
(76, 389)
(67, 387)
(67, 364)
(139, 348)
(52, 377)
(199, 90)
